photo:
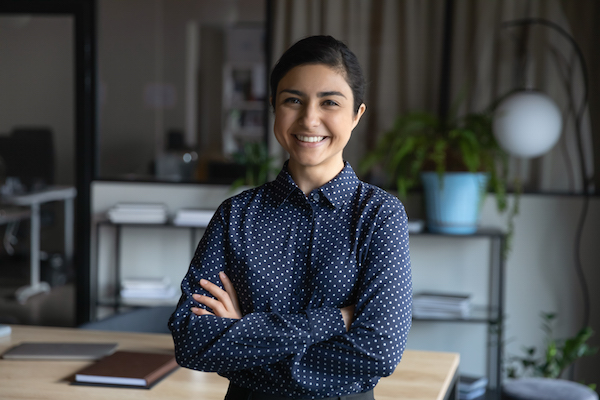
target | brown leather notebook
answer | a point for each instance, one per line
(128, 368)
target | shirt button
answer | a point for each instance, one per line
(315, 197)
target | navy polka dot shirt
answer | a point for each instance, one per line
(294, 261)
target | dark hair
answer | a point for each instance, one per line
(321, 50)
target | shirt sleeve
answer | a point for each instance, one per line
(210, 343)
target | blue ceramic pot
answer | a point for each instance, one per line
(453, 203)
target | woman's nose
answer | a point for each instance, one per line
(310, 116)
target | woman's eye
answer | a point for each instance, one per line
(292, 100)
(330, 103)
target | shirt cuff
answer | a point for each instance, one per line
(325, 322)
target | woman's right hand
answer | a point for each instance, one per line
(225, 304)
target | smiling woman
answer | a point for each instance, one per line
(314, 119)
(301, 288)
(317, 93)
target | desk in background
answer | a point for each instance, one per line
(34, 200)
(421, 375)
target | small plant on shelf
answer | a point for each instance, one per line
(423, 142)
(258, 164)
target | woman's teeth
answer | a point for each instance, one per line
(310, 139)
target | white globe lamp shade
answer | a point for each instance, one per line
(527, 124)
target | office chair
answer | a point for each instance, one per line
(28, 154)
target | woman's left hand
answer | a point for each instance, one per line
(225, 304)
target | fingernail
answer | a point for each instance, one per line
(194, 309)
(222, 274)
(203, 281)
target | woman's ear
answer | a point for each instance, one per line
(359, 114)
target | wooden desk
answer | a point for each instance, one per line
(420, 376)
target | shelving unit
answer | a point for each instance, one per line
(490, 314)
(244, 88)
(115, 301)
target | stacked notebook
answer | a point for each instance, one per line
(441, 305)
(471, 387)
(5, 330)
(138, 213)
(128, 369)
(193, 217)
(143, 289)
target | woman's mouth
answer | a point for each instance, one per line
(310, 139)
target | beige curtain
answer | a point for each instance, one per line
(399, 45)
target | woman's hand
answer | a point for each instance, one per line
(225, 304)
(348, 315)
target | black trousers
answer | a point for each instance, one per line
(239, 393)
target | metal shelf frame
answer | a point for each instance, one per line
(493, 313)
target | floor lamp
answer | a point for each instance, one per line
(528, 124)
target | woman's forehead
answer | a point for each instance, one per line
(315, 76)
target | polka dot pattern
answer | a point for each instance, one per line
(295, 260)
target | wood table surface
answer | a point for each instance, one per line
(421, 375)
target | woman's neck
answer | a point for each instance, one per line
(309, 178)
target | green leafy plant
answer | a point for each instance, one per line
(557, 356)
(258, 164)
(420, 142)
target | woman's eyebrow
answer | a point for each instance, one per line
(320, 94)
(291, 91)
(330, 93)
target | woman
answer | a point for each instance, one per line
(301, 288)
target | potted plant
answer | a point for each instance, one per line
(257, 163)
(420, 146)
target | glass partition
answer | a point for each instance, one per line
(182, 88)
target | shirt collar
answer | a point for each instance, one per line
(337, 191)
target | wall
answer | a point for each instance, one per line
(37, 85)
(540, 275)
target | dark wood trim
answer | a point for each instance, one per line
(269, 28)
(444, 100)
(86, 149)
(374, 63)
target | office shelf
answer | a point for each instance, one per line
(490, 314)
(115, 301)
(479, 314)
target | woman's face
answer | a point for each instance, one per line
(314, 116)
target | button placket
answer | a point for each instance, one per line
(303, 244)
